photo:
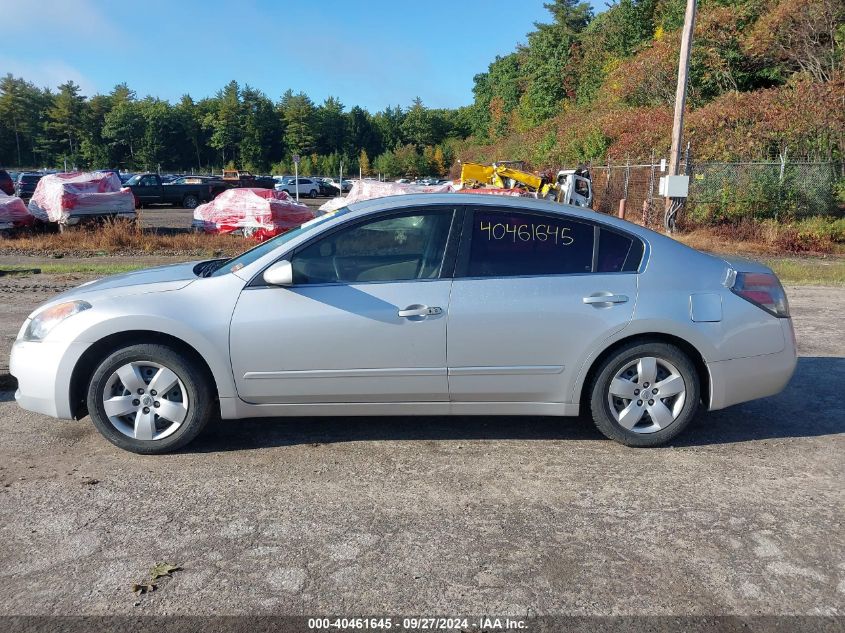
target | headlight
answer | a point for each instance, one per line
(46, 320)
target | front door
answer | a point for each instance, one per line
(532, 296)
(364, 321)
(148, 189)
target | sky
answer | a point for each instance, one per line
(371, 53)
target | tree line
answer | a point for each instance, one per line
(238, 127)
(766, 79)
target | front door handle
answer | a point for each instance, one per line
(600, 300)
(419, 311)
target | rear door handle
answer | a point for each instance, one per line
(604, 299)
(419, 310)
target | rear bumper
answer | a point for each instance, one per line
(743, 379)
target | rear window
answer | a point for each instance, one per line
(618, 252)
(29, 179)
(507, 243)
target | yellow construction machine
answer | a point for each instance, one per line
(570, 187)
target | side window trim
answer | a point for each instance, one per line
(446, 270)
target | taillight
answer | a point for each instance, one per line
(763, 290)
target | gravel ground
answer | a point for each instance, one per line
(744, 515)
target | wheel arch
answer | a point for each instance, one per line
(649, 337)
(84, 368)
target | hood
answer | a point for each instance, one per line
(159, 279)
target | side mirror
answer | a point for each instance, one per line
(279, 274)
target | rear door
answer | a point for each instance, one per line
(533, 295)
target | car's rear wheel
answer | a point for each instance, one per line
(312, 194)
(149, 399)
(190, 201)
(645, 394)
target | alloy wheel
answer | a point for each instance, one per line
(145, 400)
(647, 395)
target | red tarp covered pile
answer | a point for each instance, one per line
(13, 213)
(67, 197)
(257, 213)
(368, 189)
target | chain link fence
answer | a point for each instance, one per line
(723, 192)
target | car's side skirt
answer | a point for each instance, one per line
(234, 408)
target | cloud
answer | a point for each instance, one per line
(48, 73)
(80, 23)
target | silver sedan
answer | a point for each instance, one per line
(416, 305)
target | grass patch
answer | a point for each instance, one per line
(119, 237)
(84, 268)
(808, 272)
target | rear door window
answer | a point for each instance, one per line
(508, 243)
(618, 252)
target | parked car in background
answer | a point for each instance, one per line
(347, 315)
(307, 187)
(149, 189)
(237, 178)
(7, 185)
(344, 186)
(26, 183)
(325, 188)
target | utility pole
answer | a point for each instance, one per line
(680, 103)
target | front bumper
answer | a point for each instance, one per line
(43, 371)
(743, 379)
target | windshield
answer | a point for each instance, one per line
(254, 254)
(134, 180)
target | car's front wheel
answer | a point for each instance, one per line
(149, 399)
(645, 394)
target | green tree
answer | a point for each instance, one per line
(387, 165)
(261, 136)
(66, 120)
(361, 133)
(389, 126)
(544, 60)
(95, 149)
(16, 110)
(330, 126)
(160, 125)
(298, 114)
(417, 126)
(225, 122)
(123, 125)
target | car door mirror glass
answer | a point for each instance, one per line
(279, 274)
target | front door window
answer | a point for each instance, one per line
(396, 248)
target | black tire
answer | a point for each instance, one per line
(190, 201)
(312, 194)
(604, 419)
(193, 377)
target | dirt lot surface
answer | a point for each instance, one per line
(744, 515)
